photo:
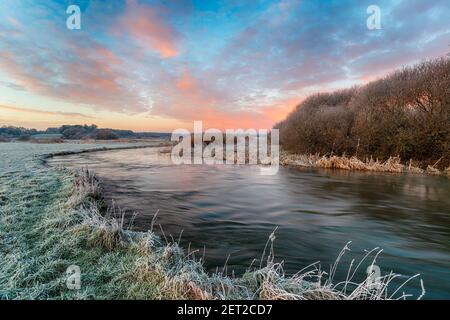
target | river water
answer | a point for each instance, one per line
(228, 213)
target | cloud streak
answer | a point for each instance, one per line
(44, 112)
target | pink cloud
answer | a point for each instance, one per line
(146, 26)
(95, 78)
(14, 22)
(190, 99)
(261, 118)
(9, 64)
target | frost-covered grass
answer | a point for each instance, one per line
(51, 219)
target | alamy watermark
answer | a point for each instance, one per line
(234, 146)
(374, 19)
(73, 281)
(73, 22)
(373, 277)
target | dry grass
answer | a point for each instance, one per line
(393, 164)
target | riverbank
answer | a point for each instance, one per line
(352, 163)
(54, 218)
(391, 165)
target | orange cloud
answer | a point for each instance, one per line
(39, 119)
(189, 107)
(191, 98)
(186, 83)
(107, 55)
(145, 25)
(280, 110)
(192, 91)
(44, 112)
(42, 119)
(237, 120)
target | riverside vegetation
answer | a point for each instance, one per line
(400, 123)
(53, 218)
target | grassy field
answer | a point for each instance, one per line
(52, 218)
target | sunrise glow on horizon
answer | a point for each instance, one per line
(160, 65)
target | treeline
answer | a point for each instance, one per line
(75, 132)
(7, 132)
(405, 114)
(79, 132)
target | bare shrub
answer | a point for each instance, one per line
(405, 114)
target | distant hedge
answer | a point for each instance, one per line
(407, 113)
(75, 132)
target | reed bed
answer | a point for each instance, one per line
(392, 165)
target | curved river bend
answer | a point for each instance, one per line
(231, 210)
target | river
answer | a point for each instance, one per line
(228, 213)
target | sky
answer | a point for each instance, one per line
(160, 65)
